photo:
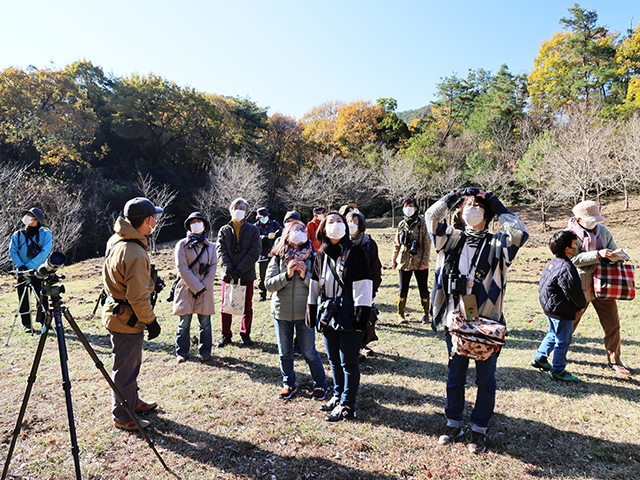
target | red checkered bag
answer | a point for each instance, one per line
(478, 338)
(614, 281)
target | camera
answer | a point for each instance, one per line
(203, 269)
(456, 284)
(413, 248)
(328, 310)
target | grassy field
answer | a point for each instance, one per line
(225, 420)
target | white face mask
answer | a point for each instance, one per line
(589, 224)
(197, 227)
(27, 219)
(408, 211)
(238, 214)
(320, 217)
(353, 228)
(335, 231)
(298, 237)
(473, 216)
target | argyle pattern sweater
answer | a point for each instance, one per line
(504, 247)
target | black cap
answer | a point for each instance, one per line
(318, 210)
(262, 212)
(140, 207)
(292, 215)
(193, 216)
(36, 212)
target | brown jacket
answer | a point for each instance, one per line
(126, 275)
(401, 254)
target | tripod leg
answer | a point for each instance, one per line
(18, 313)
(66, 385)
(27, 393)
(116, 391)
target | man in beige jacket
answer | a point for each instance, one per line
(127, 311)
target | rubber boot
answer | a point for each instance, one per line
(425, 308)
(402, 303)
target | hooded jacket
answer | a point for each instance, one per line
(126, 275)
(19, 248)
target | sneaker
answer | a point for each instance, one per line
(620, 368)
(319, 393)
(542, 364)
(478, 442)
(224, 341)
(142, 407)
(181, 359)
(246, 339)
(205, 358)
(287, 393)
(340, 413)
(450, 435)
(330, 405)
(262, 298)
(565, 376)
(401, 319)
(130, 426)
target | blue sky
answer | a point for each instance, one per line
(293, 55)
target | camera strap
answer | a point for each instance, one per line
(204, 247)
(332, 266)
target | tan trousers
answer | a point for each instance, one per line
(607, 311)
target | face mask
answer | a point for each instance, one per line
(197, 227)
(408, 211)
(264, 220)
(27, 219)
(353, 228)
(335, 231)
(155, 224)
(473, 216)
(298, 237)
(320, 217)
(238, 215)
(589, 224)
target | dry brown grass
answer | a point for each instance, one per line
(225, 420)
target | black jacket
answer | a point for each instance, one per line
(239, 256)
(561, 295)
(272, 226)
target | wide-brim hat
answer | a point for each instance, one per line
(588, 211)
(262, 212)
(36, 212)
(196, 215)
(140, 207)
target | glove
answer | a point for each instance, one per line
(197, 294)
(451, 198)
(153, 330)
(468, 192)
(23, 268)
(495, 203)
(234, 275)
(272, 235)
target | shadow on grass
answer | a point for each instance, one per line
(246, 459)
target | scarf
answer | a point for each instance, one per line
(194, 239)
(410, 221)
(30, 232)
(474, 238)
(296, 255)
(591, 240)
(357, 240)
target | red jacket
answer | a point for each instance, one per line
(312, 228)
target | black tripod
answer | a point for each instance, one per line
(56, 311)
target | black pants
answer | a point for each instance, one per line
(262, 267)
(23, 288)
(422, 278)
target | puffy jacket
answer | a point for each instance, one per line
(126, 274)
(289, 300)
(560, 293)
(370, 248)
(272, 226)
(241, 255)
(192, 281)
(18, 248)
(418, 231)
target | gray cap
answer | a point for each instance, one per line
(140, 207)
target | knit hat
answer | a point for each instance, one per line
(588, 211)
(193, 216)
(140, 207)
(292, 215)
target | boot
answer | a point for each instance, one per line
(402, 303)
(425, 308)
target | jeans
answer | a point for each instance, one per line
(557, 341)
(183, 341)
(127, 358)
(343, 349)
(247, 317)
(285, 330)
(485, 380)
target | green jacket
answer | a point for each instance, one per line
(586, 262)
(289, 299)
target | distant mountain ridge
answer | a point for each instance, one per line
(409, 115)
